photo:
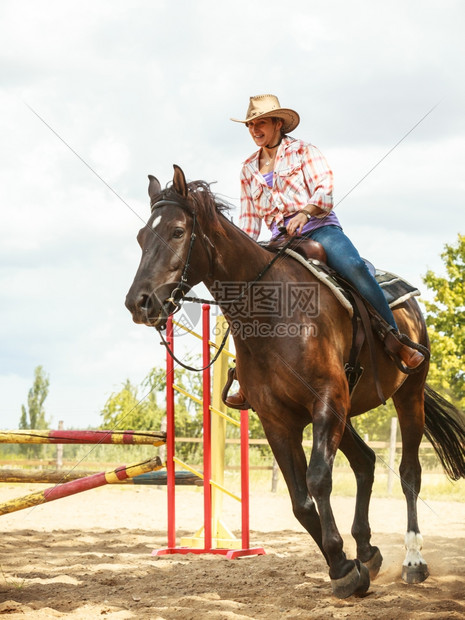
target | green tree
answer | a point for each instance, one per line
(189, 412)
(33, 416)
(132, 408)
(376, 424)
(143, 407)
(446, 323)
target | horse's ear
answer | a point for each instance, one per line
(154, 187)
(179, 182)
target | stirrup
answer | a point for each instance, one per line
(235, 401)
(393, 344)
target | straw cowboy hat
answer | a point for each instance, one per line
(264, 106)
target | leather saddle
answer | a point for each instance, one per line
(307, 248)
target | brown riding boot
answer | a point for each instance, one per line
(411, 358)
(235, 401)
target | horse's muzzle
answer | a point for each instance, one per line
(150, 309)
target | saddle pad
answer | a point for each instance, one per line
(395, 289)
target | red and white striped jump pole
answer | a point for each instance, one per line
(123, 472)
(46, 436)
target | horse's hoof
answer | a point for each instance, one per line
(415, 574)
(374, 563)
(357, 581)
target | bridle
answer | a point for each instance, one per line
(180, 290)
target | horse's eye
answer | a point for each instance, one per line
(178, 232)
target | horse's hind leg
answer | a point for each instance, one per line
(362, 461)
(409, 403)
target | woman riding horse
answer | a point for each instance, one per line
(288, 183)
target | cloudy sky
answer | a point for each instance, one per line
(133, 87)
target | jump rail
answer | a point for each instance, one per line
(154, 438)
(58, 491)
(58, 476)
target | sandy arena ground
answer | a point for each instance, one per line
(89, 556)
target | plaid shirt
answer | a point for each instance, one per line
(301, 177)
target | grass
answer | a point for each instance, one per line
(435, 485)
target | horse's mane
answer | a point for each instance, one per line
(201, 200)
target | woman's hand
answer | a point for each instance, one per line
(296, 224)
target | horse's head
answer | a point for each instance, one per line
(176, 253)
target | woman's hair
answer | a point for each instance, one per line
(275, 119)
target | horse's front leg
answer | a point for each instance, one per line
(362, 461)
(286, 445)
(329, 421)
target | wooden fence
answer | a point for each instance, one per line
(390, 448)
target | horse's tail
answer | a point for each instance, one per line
(445, 429)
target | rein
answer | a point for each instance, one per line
(166, 344)
(278, 254)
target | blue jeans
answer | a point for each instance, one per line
(344, 258)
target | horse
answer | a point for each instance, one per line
(290, 365)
